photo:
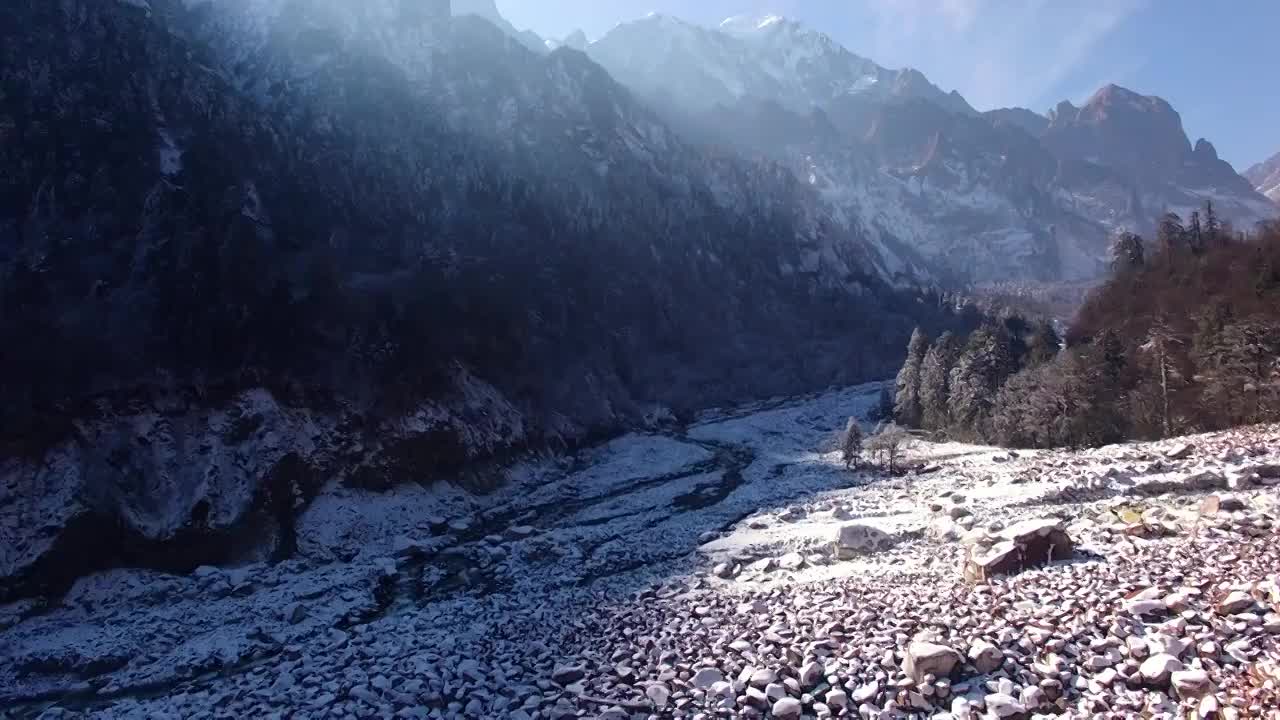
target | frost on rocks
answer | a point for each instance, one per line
(1028, 544)
(590, 588)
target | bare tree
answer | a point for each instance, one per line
(1165, 347)
(887, 444)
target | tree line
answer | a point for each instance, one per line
(1182, 337)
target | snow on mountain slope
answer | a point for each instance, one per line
(1008, 194)
(769, 58)
(1266, 177)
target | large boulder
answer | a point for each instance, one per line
(1028, 544)
(856, 539)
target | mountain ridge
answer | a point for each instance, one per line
(915, 187)
(1266, 177)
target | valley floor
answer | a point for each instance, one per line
(695, 573)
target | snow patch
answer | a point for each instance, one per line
(170, 154)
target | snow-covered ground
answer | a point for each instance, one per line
(694, 573)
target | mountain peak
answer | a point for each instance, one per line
(1266, 177)
(663, 19)
(1112, 96)
(751, 24)
(576, 40)
(1064, 111)
(1205, 150)
(488, 10)
(1112, 90)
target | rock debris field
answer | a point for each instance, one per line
(733, 568)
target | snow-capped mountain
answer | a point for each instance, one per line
(1007, 194)
(1266, 177)
(769, 58)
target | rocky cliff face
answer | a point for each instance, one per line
(253, 248)
(1265, 177)
(1126, 156)
(1007, 194)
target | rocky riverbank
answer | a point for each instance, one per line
(731, 568)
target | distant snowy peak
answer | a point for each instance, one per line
(690, 68)
(749, 25)
(1266, 177)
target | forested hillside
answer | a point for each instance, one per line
(1183, 337)
(361, 206)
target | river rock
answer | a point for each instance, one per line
(1157, 669)
(811, 674)
(706, 677)
(985, 657)
(1191, 684)
(1236, 602)
(787, 708)
(791, 561)
(763, 678)
(924, 658)
(659, 693)
(1003, 705)
(837, 698)
(566, 674)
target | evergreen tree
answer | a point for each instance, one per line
(978, 374)
(1171, 235)
(1127, 252)
(851, 443)
(1213, 234)
(1143, 359)
(906, 404)
(1043, 345)
(1016, 332)
(1097, 378)
(1114, 361)
(1195, 234)
(935, 381)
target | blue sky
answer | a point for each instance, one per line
(1217, 62)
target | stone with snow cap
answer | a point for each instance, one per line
(1028, 544)
(860, 538)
